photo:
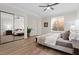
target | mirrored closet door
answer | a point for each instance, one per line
(18, 27)
(6, 27)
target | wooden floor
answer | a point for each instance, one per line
(27, 47)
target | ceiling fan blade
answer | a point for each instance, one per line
(43, 6)
(45, 9)
(51, 8)
(54, 4)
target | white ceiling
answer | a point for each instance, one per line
(58, 9)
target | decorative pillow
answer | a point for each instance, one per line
(61, 35)
(65, 35)
(73, 35)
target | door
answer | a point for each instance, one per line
(6, 27)
(18, 28)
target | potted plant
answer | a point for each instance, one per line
(28, 31)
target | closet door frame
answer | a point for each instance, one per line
(23, 25)
(13, 26)
(0, 26)
(14, 16)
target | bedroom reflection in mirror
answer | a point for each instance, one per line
(19, 27)
(57, 24)
(6, 28)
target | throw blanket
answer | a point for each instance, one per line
(64, 44)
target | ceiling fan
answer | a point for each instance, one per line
(49, 6)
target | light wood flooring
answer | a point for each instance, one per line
(27, 47)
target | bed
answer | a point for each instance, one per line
(54, 41)
(18, 32)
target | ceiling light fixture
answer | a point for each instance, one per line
(48, 8)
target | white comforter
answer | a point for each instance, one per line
(51, 39)
(18, 32)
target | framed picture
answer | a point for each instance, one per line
(45, 24)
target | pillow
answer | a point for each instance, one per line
(65, 35)
(72, 35)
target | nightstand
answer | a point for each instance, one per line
(75, 44)
(9, 32)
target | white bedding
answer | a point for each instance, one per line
(51, 39)
(44, 35)
(18, 31)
